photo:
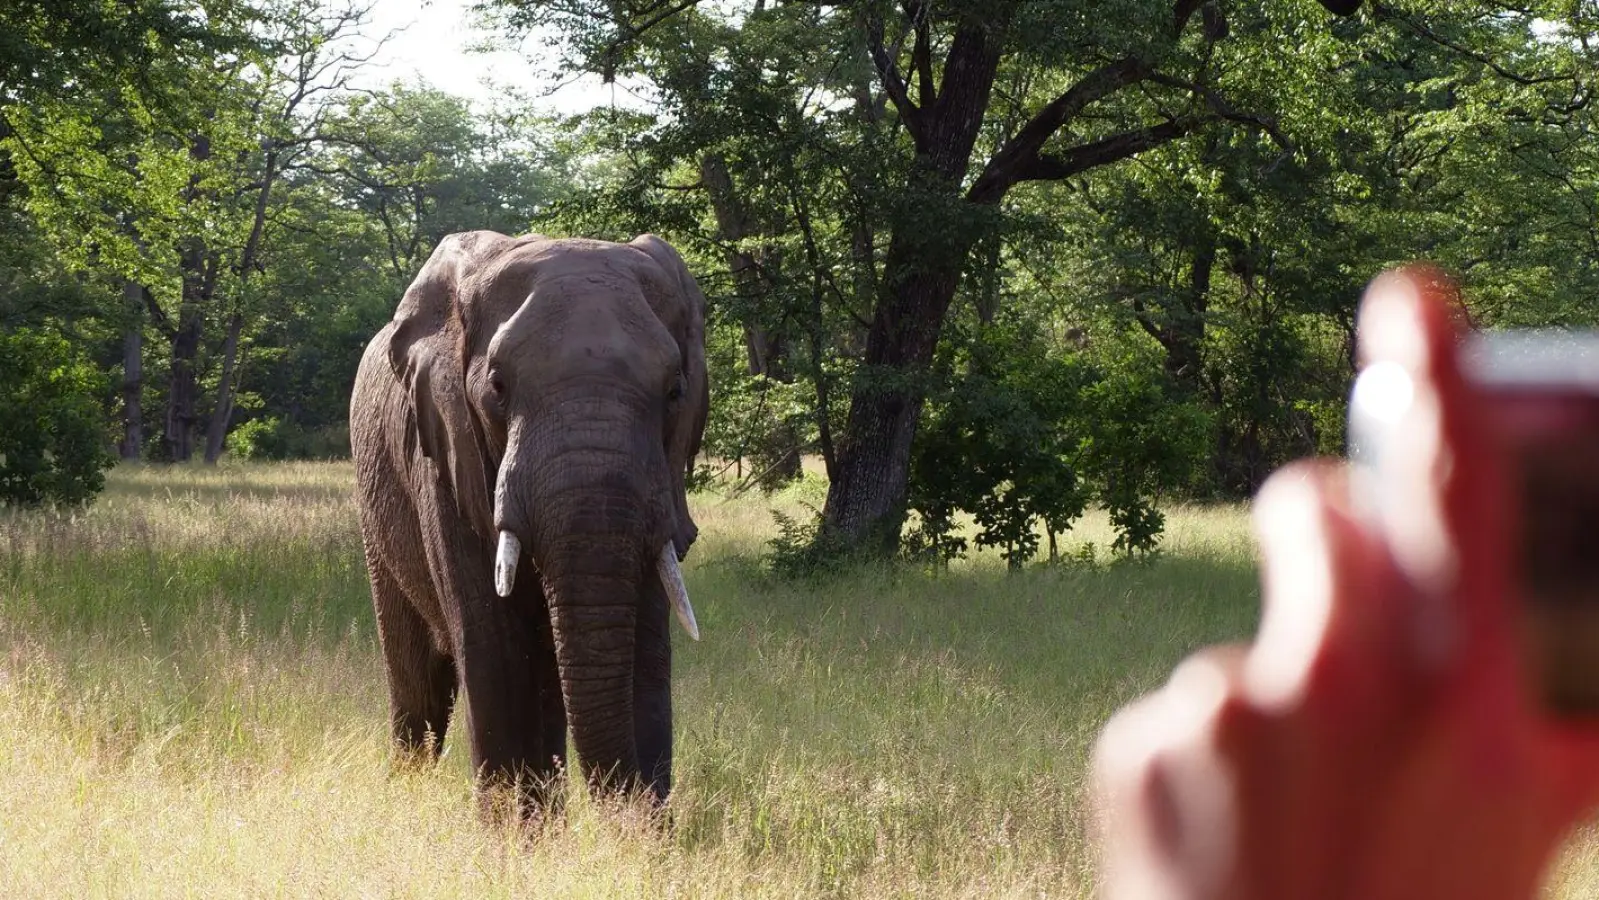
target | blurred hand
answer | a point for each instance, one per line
(1379, 738)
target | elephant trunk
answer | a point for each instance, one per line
(593, 583)
(582, 509)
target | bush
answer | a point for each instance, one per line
(54, 437)
(1137, 442)
(1024, 437)
(273, 438)
(802, 549)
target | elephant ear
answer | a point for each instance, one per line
(681, 308)
(425, 353)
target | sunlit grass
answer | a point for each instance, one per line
(192, 704)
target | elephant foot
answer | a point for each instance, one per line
(415, 753)
(527, 801)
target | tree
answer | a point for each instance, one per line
(179, 208)
(1078, 89)
(1245, 266)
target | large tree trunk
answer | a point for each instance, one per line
(133, 374)
(865, 507)
(199, 270)
(217, 432)
(866, 502)
(183, 396)
(177, 437)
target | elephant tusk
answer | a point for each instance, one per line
(676, 591)
(505, 563)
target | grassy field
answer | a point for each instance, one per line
(192, 705)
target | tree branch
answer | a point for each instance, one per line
(1142, 317)
(1184, 11)
(1054, 167)
(158, 316)
(1219, 105)
(922, 53)
(893, 82)
(630, 32)
(1026, 146)
(1384, 11)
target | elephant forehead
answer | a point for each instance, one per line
(572, 256)
(584, 320)
(595, 268)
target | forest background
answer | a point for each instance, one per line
(990, 264)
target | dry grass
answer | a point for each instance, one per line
(192, 704)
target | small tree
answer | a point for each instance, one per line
(54, 439)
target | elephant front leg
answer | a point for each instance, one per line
(518, 739)
(652, 693)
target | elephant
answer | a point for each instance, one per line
(522, 430)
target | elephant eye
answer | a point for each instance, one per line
(676, 391)
(497, 384)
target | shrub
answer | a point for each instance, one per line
(1024, 437)
(273, 438)
(54, 437)
(803, 549)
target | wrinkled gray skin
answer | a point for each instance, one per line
(555, 389)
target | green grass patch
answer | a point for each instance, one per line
(192, 704)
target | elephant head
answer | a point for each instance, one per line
(559, 386)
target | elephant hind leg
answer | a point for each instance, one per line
(422, 680)
(422, 717)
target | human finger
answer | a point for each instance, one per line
(1165, 785)
(1443, 511)
(1333, 639)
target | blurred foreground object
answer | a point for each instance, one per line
(1380, 738)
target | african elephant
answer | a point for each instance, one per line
(521, 432)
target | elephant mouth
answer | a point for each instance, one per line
(509, 553)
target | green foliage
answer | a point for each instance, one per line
(53, 437)
(791, 548)
(99, 45)
(758, 421)
(273, 438)
(1139, 443)
(258, 439)
(1027, 437)
(998, 445)
(801, 549)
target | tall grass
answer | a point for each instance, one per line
(192, 704)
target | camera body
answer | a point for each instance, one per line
(1540, 390)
